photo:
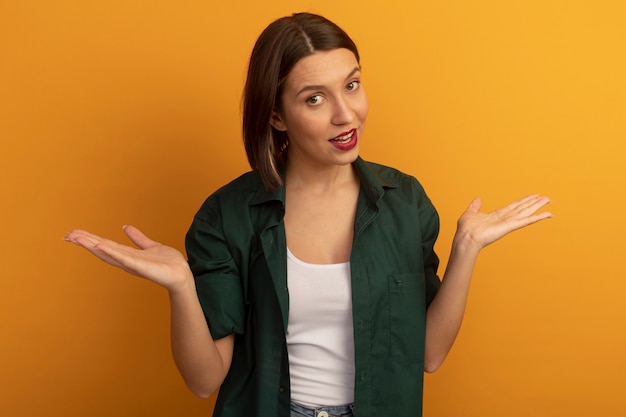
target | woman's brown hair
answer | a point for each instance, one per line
(281, 45)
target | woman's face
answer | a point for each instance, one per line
(324, 108)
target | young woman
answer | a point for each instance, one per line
(311, 285)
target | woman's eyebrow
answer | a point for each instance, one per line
(320, 87)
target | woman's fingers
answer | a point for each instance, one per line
(138, 238)
(108, 254)
(98, 248)
(475, 205)
(524, 207)
(81, 237)
(116, 254)
(84, 238)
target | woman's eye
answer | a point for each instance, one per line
(316, 99)
(353, 85)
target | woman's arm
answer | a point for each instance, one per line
(475, 230)
(202, 362)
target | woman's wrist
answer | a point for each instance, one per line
(183, 284)
(465, 243)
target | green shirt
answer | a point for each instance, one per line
(237, 251)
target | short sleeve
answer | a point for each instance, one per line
(216, 275)
(429, 220)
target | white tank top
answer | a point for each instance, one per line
(320, 339)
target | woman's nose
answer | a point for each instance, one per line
(342, 112)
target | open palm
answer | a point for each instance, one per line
(485, 228)
(161, 264)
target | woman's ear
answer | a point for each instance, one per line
(276, 121)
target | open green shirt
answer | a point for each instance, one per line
(237, 251)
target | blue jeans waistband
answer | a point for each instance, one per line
(299, 410)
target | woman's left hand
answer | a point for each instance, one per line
(481, 229)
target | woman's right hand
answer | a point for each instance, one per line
(202, 362)
(161, 264)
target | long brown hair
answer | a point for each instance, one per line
(277, 50)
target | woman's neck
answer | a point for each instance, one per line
(320, 180)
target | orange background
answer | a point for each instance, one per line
(128, 112)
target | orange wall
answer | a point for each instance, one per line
(127, 112)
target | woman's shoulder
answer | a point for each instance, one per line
(388, 175)
(235, 195)
(244, 186)
(385, 169)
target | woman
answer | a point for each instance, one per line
(311, 287)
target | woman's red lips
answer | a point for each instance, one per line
(346, 140)
(344, 137)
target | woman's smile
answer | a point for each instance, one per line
(346, 141)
